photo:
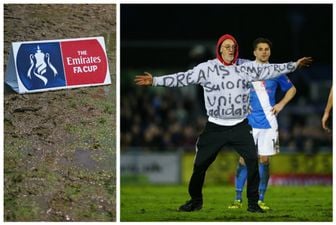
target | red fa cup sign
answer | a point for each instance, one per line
(37, 66)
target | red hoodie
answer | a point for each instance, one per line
(219, 43)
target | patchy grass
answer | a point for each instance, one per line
(63, 174)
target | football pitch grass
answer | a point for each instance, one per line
(288, 203)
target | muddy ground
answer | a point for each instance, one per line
(59, 146)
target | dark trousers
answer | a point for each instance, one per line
(210, 142)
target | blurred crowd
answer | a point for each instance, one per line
(159, 120)
(172, 118)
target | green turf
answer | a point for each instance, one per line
(159, 203)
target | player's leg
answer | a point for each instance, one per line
(264, 176)
(241, 176)
(268, 145)
(207, 148)
(243, 142)
(240, 179)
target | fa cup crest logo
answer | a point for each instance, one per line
(39, 62)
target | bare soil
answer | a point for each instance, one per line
(59, 146)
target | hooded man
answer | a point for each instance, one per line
(226, 96)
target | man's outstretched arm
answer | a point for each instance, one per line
(255, 72)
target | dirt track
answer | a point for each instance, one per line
(59, 153)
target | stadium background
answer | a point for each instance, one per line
(159, 126)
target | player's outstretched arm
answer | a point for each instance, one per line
(145, 79)
(304, 62)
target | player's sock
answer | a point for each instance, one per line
(264, 176)
(241, 176)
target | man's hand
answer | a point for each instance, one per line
(304, 62)
(145, 79)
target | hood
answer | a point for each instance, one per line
(219, 43)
